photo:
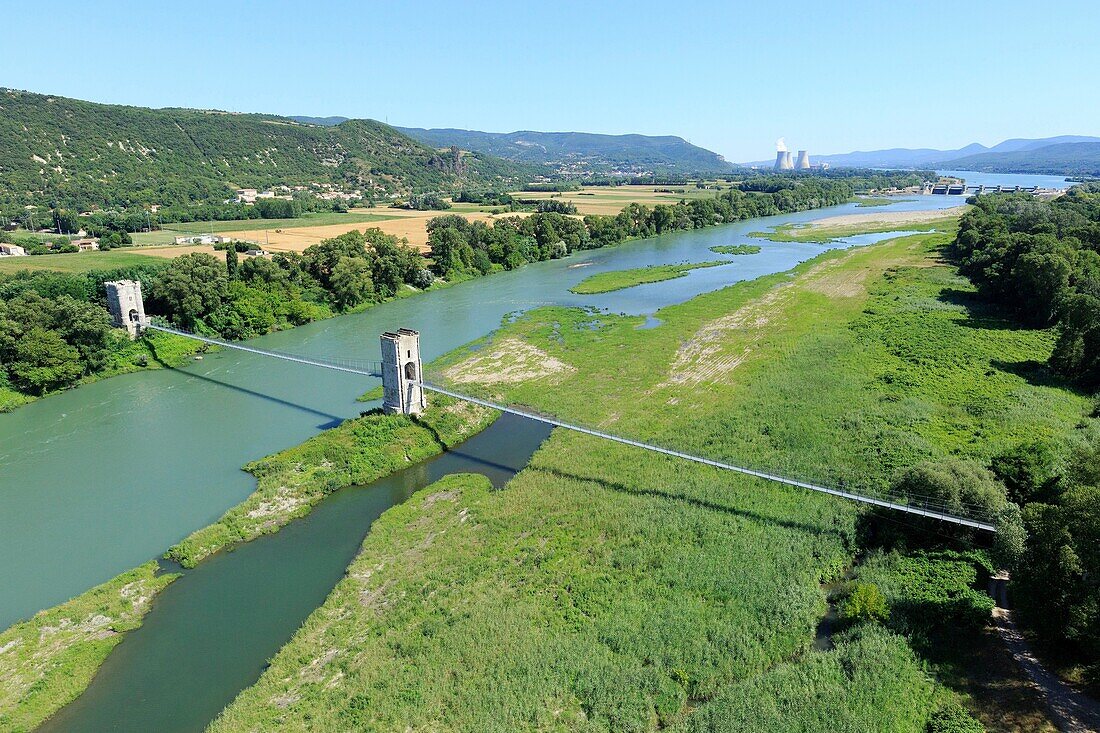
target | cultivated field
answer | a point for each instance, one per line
(295, 235)
(412, 225)
(311, 219)
(611, 199)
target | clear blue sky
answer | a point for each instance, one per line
(730, 76)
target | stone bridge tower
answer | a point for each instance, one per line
(126, 306)
(402, 373)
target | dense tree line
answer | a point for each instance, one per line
(1042, 260)
(488, 198)
(241, 299)
(1058, 574)
(463, 249)
(54, 327)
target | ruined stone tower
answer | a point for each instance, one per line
(401, 373)
(126, 306)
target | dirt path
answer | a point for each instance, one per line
(1072, 710)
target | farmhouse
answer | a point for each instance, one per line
(12, 250)
(201, 239)
(87, 244)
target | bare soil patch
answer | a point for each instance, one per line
(508, 361)
(884, 217)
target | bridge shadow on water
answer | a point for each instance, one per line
(460, 452)
(331, 421)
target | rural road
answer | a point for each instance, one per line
(1072, 710)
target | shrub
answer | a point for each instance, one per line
(962, 485)
(866, 603)
(953, 718)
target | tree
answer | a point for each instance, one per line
(192, 287)
(351, 282)
(953, 718)
(232, 266)
(449, 250)
(321, 259)
(1029, 471)
(962, 486)
(43, 362)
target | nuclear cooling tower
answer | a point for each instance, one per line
(803, 160)
(783, 160)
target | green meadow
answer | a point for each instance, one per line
(310, 219)
(608, 589)
(77, 262)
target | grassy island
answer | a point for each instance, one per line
(605, 282)
(736, 249)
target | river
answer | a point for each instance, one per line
(213, 630)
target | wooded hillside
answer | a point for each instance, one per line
(56, 151)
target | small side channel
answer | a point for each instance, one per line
(209, 634)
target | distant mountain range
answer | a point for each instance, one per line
(1061, 155)
(1068, 159)
(581, 152)
(319, 121)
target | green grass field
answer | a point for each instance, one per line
(605, 282)
(305, 220)
(611, 589)
(77, 261)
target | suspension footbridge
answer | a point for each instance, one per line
(404, 388)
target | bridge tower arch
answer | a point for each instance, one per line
(402, 373)
(126, 306)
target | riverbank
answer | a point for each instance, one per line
(49, 660)
(154, 351)
(290, 483)
(261, 308)
(600, 585)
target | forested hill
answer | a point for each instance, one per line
(582, 152)
(1071, 159)
(60, 151)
